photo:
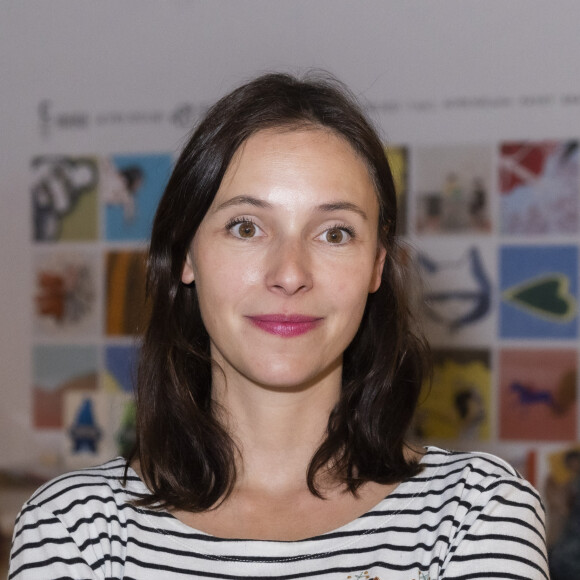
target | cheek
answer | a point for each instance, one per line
(352, 280)
(349, 292)
(248, 275)
(222, 281)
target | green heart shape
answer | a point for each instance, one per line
(547, 296)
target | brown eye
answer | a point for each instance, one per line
(335, 236)
(247, 230)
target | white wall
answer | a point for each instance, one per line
(95, 58)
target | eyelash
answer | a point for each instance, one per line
(348, 229)
(239, 220)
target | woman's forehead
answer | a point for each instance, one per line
(308, 159)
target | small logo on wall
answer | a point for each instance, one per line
(50, 118)
(185, 114)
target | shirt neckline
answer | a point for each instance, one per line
(218, 548)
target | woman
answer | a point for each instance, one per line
(278, 377)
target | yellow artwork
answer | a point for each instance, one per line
(560, 471)
(457, 404)
(127, 309)
(397, 157)
(82, 223)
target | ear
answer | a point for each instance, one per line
(378, 269)
(187, 274)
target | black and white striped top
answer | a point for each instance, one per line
(464, 516)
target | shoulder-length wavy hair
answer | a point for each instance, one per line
(186, 456)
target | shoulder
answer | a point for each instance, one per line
(64, 527)
(476, 466)
(498, 516)
(86, 495)
(103, 481)
(483, 484)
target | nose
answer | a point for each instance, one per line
(289, 270)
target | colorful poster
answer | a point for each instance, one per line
(452, 189)
(458, 292)
(95, 427)
(59, 369)
(456, 405)
(539, 286)
(130, 187)
(64, 198)
(127, 309)
(66, 295)
(539, 186)
(561, 494)
(537, 394)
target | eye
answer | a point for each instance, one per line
(337, 235)
(244, 229)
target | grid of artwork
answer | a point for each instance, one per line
(91, 222)
(494, 232)
(492, 229)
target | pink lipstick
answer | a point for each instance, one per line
(286, 325)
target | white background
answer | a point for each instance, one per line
(411, 57)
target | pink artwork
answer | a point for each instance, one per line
(538, 394)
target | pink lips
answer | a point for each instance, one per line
(285, 325)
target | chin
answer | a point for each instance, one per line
(293, 377)
(288, 386)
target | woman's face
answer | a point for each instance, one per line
(285, 258)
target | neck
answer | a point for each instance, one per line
(277, 430)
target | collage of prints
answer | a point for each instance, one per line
(492, 229)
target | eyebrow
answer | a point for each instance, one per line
(244, 200)
(325, 207)
(343, 205)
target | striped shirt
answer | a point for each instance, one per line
(466, 515)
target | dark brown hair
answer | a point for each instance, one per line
(186, 455)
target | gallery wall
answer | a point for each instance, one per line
(479, 106)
